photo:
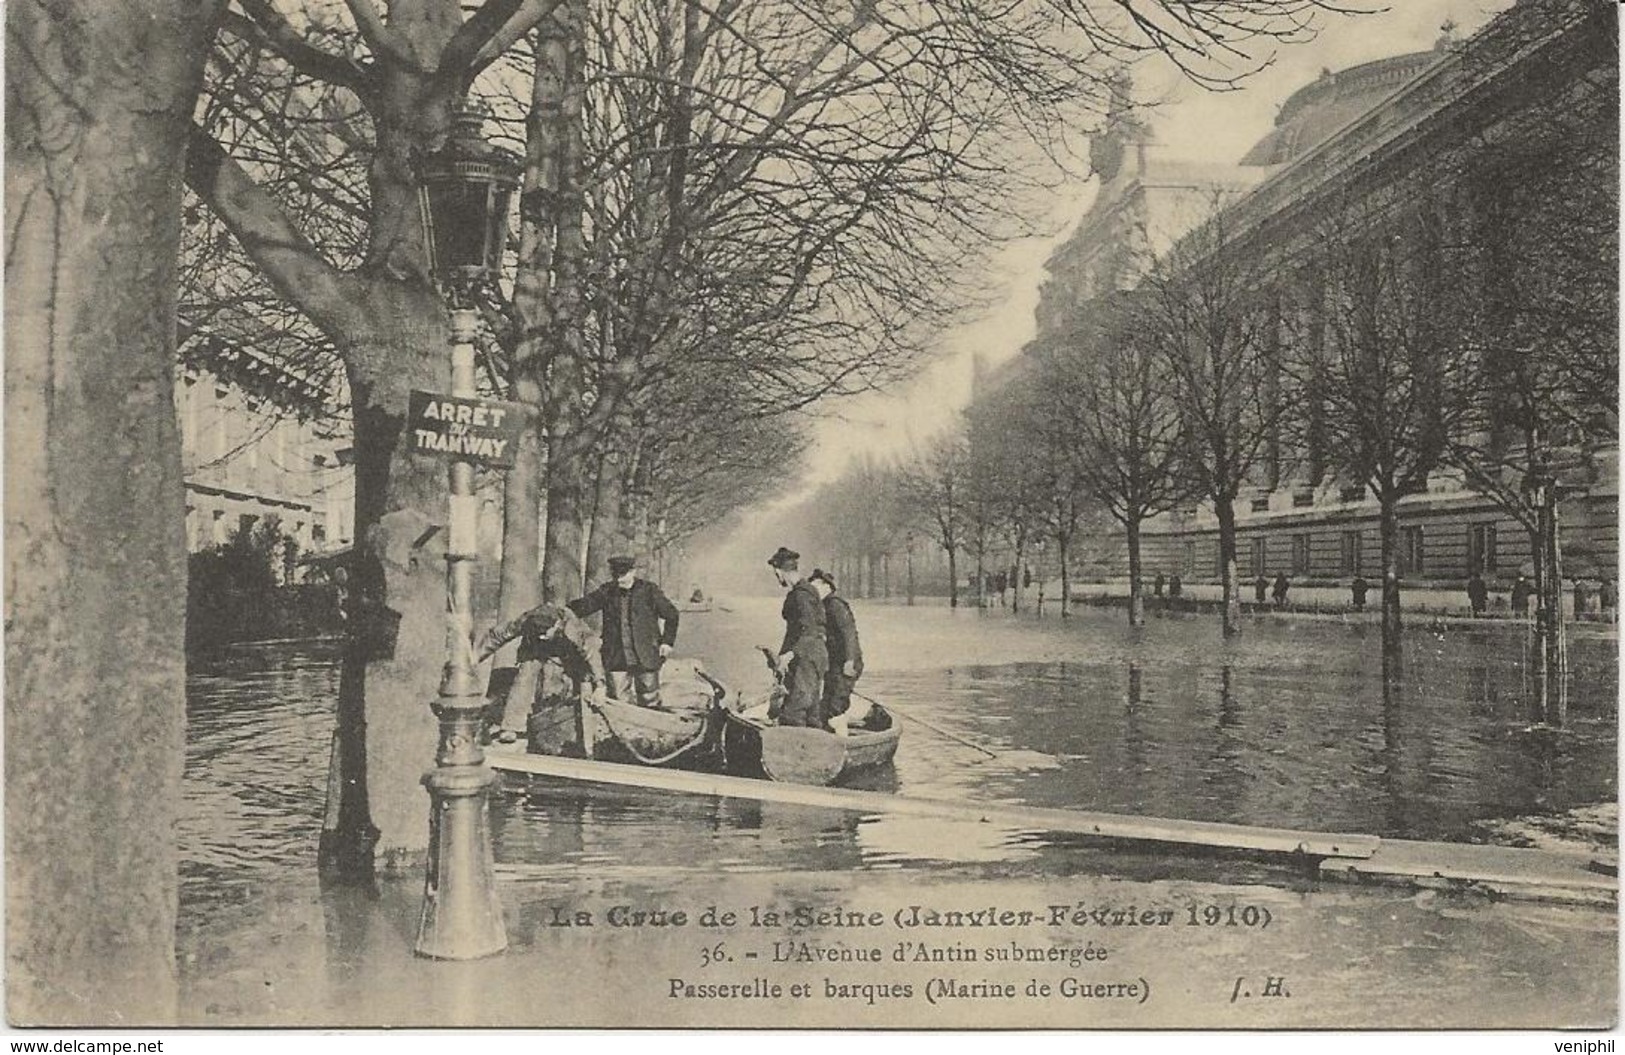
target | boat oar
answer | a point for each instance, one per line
(956, 738)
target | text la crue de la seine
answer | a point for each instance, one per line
(911, 917)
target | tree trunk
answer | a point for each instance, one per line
(522, 513)
(568, 472)
(1015, 574)
(1064, 542)
(1225, 508)
(1136, 599)
(397, 618)
(1551, 645)
(608, 536)
(981, 578)
(98, 108)
(1388, 533)
(953, 577)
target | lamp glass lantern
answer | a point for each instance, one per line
(464, 192)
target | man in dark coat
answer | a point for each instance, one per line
(1478, 594)
(1282, 585)
(639, 631)
(804, 655)
(1260, 586)
(1522, 590)
(845, 653)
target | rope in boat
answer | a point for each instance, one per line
(631, 749)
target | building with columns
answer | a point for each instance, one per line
(261, 440)
(1507, 142)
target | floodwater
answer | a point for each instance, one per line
(1292, 725)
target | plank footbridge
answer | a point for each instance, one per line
(1496, 870)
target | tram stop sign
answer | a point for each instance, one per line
(484, 431)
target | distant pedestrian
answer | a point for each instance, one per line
(1157, 585)
(1522, 590)
(1001, 582)
(1174, 586)
(1582, 598)
(1358, 589)
(1261, 586)
(1282, 585)
(1478, 595)
(1607, 599)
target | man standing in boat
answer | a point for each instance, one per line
(845, 653)
(804, 656)
(639, 631)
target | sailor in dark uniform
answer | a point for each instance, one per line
(803, 656)
(845, 653)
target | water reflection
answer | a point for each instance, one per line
(1291, 725)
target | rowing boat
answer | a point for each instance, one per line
(754, 745)
(680, 733)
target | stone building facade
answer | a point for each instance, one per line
(1372, 142)
(261, 440)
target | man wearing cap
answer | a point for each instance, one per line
(639, 631)
(845, 654)
(803, 656)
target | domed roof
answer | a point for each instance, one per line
(1314, 112)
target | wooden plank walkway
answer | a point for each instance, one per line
(1496, 870)
(1026, 818)
(1504, 871)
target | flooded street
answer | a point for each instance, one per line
(1288, 726)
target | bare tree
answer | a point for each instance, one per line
(1124, 422)
(1537, 301)
(934, 483)
(98, 96)
(1207, 314)
(1386, 374)
(371, 95)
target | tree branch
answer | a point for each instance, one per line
(530, 14)
(265, 25)
(295, 268)
(385, 42)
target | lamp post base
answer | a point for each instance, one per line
(462, 917)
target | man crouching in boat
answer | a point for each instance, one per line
(557, 662)
(639, 631)
(845, 654)
(803, 657)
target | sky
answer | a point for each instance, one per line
(1193, 123)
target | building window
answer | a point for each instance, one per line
(1189, 561)
(1481, 548)
(1300, 554)
(1302, 499)
(245, 523)
(1261, 505)
(1410, 550)
(1260, 555)
(1355, 493)
(219, 526)
(1351, 553)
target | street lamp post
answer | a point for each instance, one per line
(465, 193)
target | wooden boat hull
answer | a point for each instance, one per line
(794, 755)
(682, 734)
(624, 732)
